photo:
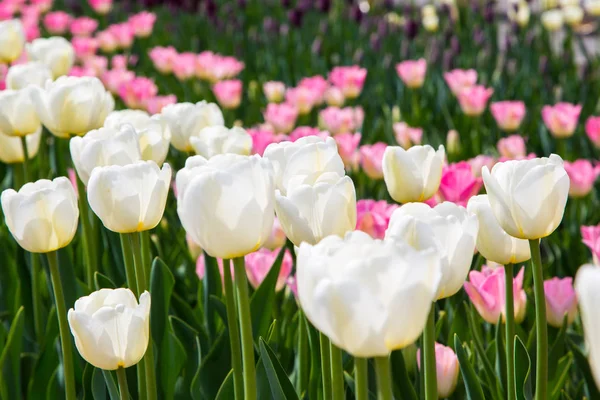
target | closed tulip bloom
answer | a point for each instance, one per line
(17, 113)
(259, 263)
(42, 216)
(561, 301)
(561, 119)
(407, 136)
(573, 15)
(274, 91)
(226, 204)
(528, 197)
(355, 290)
(188, 119)
(459, 79)
(592, 129)
(582, 175)
(103, 147)
(306, 157)
(459, 183)
(448, 228)
(473, 100)
(508, 114)
(153, 132)
(55, 52)
(552, 20)
(447, 368)
(493, 242)
(110, 328)
(228, 93)
(591, 238)
(214, 140)
(11, 148)
(373, 217)
(592, 7)
(32, 73)
(129, 198)
(587, 283)
(282, 117)
(512, 147)
(347, 144)
(371, 159)
(317, 207)
(12, 40)
(480, 161)
(413, 174)
(72, 106)
(412, 72)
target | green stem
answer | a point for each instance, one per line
(63, 326)
(361, 378)
(384, 381)
(241, 283)
(146, 255)
(25, 158)
(38, 321)
(337, 373)
(510, 332)
(234, 332)
(541, 329)
(123, 387)
(429, 356)
(325, 365)
(87, 239)
(303, 355)
(18, 179)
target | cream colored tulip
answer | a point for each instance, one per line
(129, 198)
(11, 148)
(573, 15)
(214, 140)
(414, 174)
(110, 328)
(18, 116)
(592, 7)
(226, 204)
(448, 228)
(42, 216)
(552, 20)
(55, 52)
(32, 73)
(187, 120)
(368, 296)
(587, 282)
(528, 197)
(72, 106)
(103, 147)
(153, 132)
(12, 40)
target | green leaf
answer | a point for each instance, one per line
(470, 378)
(584, 367)
(214, 368)
(281, 387)
(557, 350)
(47, 360)
(562, 373)
(263, 299)
(189, 338)
(226, 391)
(500, 353)
(161, 288)
(10, 385)
(98, 384)
(173, 358)
(213, 286)
(401, 384)
(219, 307)
(109, 382)
(103, 282)
(522, 371)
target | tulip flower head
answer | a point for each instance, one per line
(561, 301)
(592, 129)
(277, 237)
(274, 91)
(11, 148)
(32, 73)
(339, 120)
(142, 23)
(262, 138)
(350, 79)
(508, 114)
(459, 79)
(412, 72)
(480, 161)
(373, 217)
(228, 93)
(12, 40)
(18, 116)
(56, 52)
(102, 7)
(214, 140)
(591, 238)
(282, 117)
(459, 184)
(187, 119)
(317, 85)
(582, 175)
(407, 136)
(163, 58)
(512, 147)
(57, 22)
(561, 119)
(447, 368)
(83, 26)
(587, 282)
(473, 100)
(259, 263)
(371, 159)
(347, 144)
(552, 20)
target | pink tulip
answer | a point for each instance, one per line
(277, 237)
(446, 366)
(347, 144)
(512, 147)
(338, 120)
(57, 22)
(42, 5)
(163, 58)
(119, 61)
(412, 72)
(136, 92)
(154, 105)
(98, 63)
(123, 34)
(350, 79)
(78, 70)
(7, 11)
(591, 238)
(261, 138)
(317, 85)
(3, 72)
(113, 79)
(334, 97)
(560, 301)
(304, 131)
(303, 98)
(228, 93)
(373, 217)
(592, 128)
(84, 47)
(282, 117)
(459, 184)
(184, 66)
(407, 136)
(83, 26)
(582, 174)
(31, 28)
(561, 119)
(142, 23)
(473, 100)
(73, 179)
(371, 158)
(101, 6)
(292, 284)
(460, 79)
(214, 67)
(508, 114)
(477, 163)
(259, 263)
(486, 290)
(274, 91)
(107, 41)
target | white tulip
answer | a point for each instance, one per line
(214, 140)
(11, 148)
(414, 174)
(32, 73)
(18, 116)
(528, 197)
(187, 119)
(587, 283)
(448, 228)
(308, 156)
(72, 106)
(226, 203)
(129, 198)
(42, 216)
(573, 15)
(313, 210)
(56, 52)
(12, 40)
(368, 296)
(552, 20)
(153, 132)
(493, 242)
(110, 328)
(103, 147)
(592, 7)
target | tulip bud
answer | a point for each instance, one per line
(473, 100)
(187, 119)
(110, 328)
(42, 216)
(55, 52)
(214, 140)
(508, 114)
(12, 40)
(228, 93)
(573, 15)
(17, 113)
(371, 159)
(11, 148)
(373, 217)
(32, 73)
(552, 20)
(582, 175)
(431, 23)
(453, 142)
(587, 283)
(447, 367)
(561, 119)
(412, 72)
(413, 174)
(560, 301)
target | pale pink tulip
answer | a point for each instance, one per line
(373, 217)
(334, 97)
(350, 79)
(304, 131)
(228, 93)
(338, 120)
(277, 237)
(446, 366)
(83, 26)
(84, 47)
(460, 79)
(473, 100)
(482, 160)
(459, 184)
(412, 72)
(592, 129)
(57, 22)
(113, 79)
(371, 158)
(407, 136)
(136, 92)
(42, 5)
(259, 263)
(78, 70)
(508, 114)
(561, 119)
(512, 147)
(98, 63)
(101, 6)
(142, 23)
(582, 174)
(347, 144)
(282, 117)
(154, 105)
(303, 98)
(123, 34)
(591, 238)
(561, 300)
(274, 91)
(261, 138)
(107, 41)
(163, 58)
(317, 85)
(184, 66)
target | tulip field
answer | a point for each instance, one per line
(300, 199)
